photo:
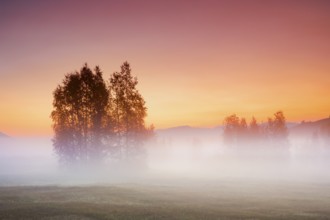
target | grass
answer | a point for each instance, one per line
(186, 200)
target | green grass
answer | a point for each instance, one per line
(216, 200)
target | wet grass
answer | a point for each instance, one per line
(216, 200)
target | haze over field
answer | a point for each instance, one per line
(213, 58)
(173, 154)
(173, 109)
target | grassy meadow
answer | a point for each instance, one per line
(176, 200)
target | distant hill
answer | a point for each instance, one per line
(3, 135)
(188, 132)
(291, 124)
(309, 128)
(187, 135)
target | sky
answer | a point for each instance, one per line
(197, 61)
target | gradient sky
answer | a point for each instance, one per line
(196, 61)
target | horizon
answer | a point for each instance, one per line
(196, 63)
(166, 109)
(6, 135)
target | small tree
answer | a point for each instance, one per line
(92, 121)
(276, 128)
(231, 128)
(80, 117)
(254, 129)
(129, 112)
(325, 134)
(242, 130)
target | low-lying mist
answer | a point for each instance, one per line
(204, 155)
(175, 155)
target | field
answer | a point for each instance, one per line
(186, 199)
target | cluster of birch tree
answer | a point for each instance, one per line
(94, 119)
(238, 132)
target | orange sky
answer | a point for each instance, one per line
(197, 61)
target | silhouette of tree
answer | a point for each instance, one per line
(254, 129)
(231, 130)
(325, 134)
(80, 116)
(237, 132)
(92, 120)
(242, 130)
(276, 128)
(129, 112)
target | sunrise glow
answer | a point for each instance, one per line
(196, 61)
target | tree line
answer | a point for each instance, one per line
(237, 131)
(95, 119)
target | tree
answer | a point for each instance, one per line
(80, 116)
(276, 127)
(254, 128)
(242, 130)
(129, 112)
(231, 129)
(237, 132)
(93, 120)
(325, 133)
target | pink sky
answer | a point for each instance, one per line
(197, 61)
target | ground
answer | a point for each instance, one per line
(176, 200)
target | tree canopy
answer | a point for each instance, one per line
(129, 111)
(236, 131)
(94, 119)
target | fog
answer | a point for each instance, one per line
(172, 156)
(203, 155)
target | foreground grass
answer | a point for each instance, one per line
(229, 200)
